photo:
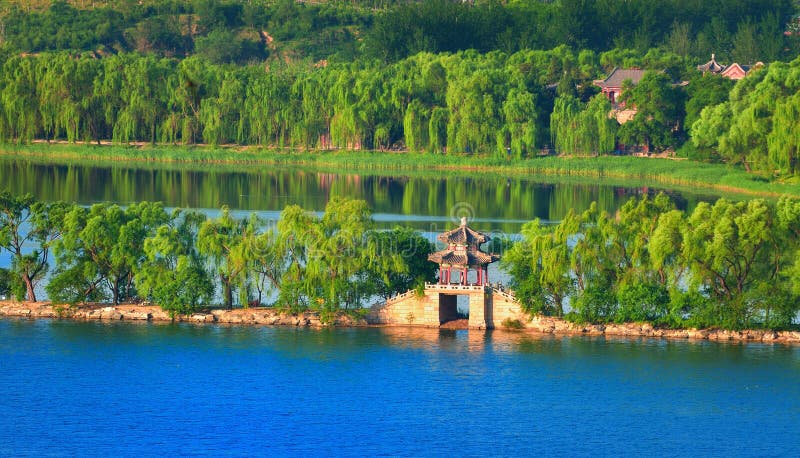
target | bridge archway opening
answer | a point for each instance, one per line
(454, 309)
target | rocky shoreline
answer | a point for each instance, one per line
(551, 325)
(272, 317)
(97, 312)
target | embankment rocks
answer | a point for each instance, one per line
(273, 317)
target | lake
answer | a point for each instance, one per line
(431, 201)
(109, 389)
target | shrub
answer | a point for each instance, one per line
(508, 323)
(595, 305)
(642, 302)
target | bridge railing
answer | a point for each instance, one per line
(454, 287)
(494, 288)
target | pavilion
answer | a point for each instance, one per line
(463, 253)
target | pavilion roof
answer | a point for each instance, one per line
(463, 235)
(462, 258)
(711, 66)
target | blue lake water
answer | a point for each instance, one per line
(109, 389)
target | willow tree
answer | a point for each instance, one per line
(414, 270)
(659, 110)
(311, 121)
(783, 142)
(268, 107)
(21, 117)
(564, 123)
(437, 130)
(415, 126)
(540, 265)
(520, 119)
(474, 101)
(594, 264)
(346, 128)
(144, 98)
(221, 241)
(736, 256)
(268, 260)
(331, 263)
(598, 128)
(173, 274)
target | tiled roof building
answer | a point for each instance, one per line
(462, 254)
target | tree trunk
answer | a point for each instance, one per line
(116, 292)
(227, 292)
(31, 294)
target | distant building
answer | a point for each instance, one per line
(612, 85)
(733, 71)
(612, 90)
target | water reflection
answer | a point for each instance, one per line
(423, 201)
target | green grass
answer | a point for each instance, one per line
(605, 169)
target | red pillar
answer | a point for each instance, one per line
(486, 275)
(479, 271)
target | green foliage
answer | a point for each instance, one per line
(659, 110)
(594, 305)
(8, 283)
(540, 265)
(723, 265)
(578, 129)
(757, 127)
(24, 222)
(413, 249)
(222, 242)
(100, 251)
(704, 91)
(174, 274)
(489, 104)
(642, 302)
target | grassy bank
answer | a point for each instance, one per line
(650, 171)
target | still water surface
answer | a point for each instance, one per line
(73, 388)
(431, 202)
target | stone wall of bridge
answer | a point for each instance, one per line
(488, 307)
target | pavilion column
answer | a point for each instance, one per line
(486, 275)
(479, 271)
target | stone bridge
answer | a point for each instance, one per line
(489, 306)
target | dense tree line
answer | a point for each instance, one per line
(181, 259)
(743, 30)
(505, 95)
(506, 105)
(758, 125)
(222, 31)
(727, 264)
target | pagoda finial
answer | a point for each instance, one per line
(463, 220)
